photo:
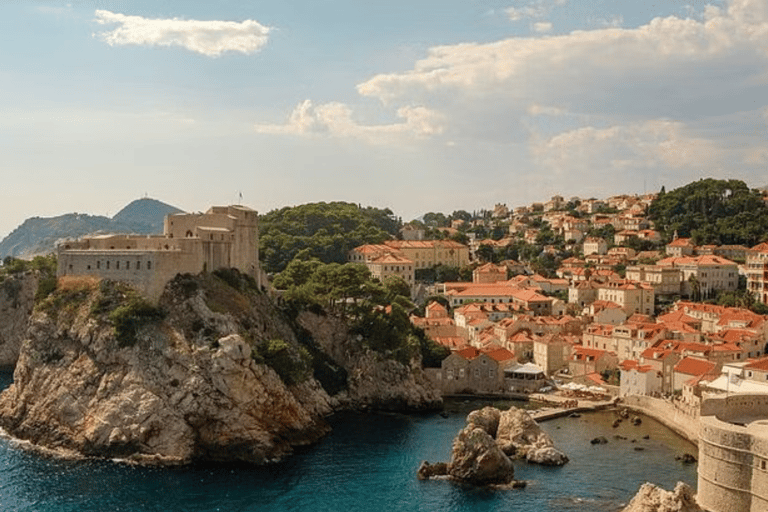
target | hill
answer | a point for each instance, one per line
(721, 212)
(145, 214)
(326, 231)
(39, 235)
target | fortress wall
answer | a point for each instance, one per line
(733, 458)
(732, 468)
(147, 271)
(665, 413)
(735, 406)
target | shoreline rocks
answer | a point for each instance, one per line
(651, 498)
(483, 451)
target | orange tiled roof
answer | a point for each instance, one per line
(693, 366)
(758, 364)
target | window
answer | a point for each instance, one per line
(149, 265)
(98, 264)
(138, 265)
(117, 265)
(127, 265)
(461, 373)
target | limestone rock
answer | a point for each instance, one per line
(168, 398)
(17, 298)
(374, 381)
(486, 418)
(476, 459)
(651, 498)
(520, 436)
(427, 470)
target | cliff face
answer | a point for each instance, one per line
(17, 298)
(97, 378)
(374, 382)
(163, 396)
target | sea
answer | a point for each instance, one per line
(368, 463)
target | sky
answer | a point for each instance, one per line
(417, 106)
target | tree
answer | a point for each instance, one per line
(325, 231)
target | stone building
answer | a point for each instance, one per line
(222, 237)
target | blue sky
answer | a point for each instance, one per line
(417, 106)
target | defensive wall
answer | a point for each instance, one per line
(733, 454)
(680, 420)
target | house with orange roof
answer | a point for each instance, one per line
(551, 352)
(606, 312)
(436, 310)
(632, 296)
(638, 379)
(428, 253)
(666, 280)
(594, 245)
(489, 273)
(704, 275)
(621, 253)
(627, 341)
(388, 265)
(680, 247)
(692, 367)
(621, 237)
(663, 361)
(757, 272)
(472, 371)
(583, 292)
(585, 360)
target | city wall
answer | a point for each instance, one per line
(733, 454)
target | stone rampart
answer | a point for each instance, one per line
(733, 454)
(667, 413)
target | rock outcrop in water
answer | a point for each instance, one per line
(482, 452)
(521, 437)
(651, 498)
(103, 374)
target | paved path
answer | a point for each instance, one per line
(548, 413)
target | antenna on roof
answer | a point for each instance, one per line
(240, 196)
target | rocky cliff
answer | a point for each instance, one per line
(214, 373)
(374, 381)
(17, 298)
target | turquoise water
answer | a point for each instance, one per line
(369, 464)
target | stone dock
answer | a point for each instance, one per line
(566, 407)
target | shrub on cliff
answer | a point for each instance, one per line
(292, 364)
(131, 316)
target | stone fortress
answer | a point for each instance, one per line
(222, 237)
(733, 454)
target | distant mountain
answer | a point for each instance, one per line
(145, 214)
(39, 235)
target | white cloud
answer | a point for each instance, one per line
(543, 110)
(336, 120)
(658, 143)
(535, 9)
(542, 27)
(210, 38)
(727, 49)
